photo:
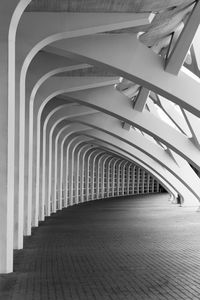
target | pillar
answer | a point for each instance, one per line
(8, 26)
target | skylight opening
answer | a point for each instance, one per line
(164, 117)
(190, 74)
(147, 136)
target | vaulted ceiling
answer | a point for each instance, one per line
(163, 25)
(120, 74)
(105, 6)
(169, 18)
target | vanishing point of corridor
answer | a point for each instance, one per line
(138, 247)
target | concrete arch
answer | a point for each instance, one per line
(38, 157)
(89, 149)
(63, 28)
(95, 154)
(25, 54)
(37, 142)
(108, 172)
(145, 162)
(115, 149)
(11, 12)
(81, 154)
(119, 107)
(114, 167)
(76, 142)
(13, 125)
(180, 187)
(140, 65)
(167, 187)
(154, 163)
(137, 139)
(98, 175)
(38, 161)
(42, 37)
(181, 137)
(68, 128)
(94, 158)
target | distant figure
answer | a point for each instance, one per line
(179, 199)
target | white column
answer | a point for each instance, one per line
(8, 27)
(148, 180)
(133, 180)
(87, 156)
(128, 179)
(143, 181)
(82, 185)
(138, 181)
(157, 187)
(92, 177)
(153, 180)
(123, 177)
(108, 177)
(113, 178)
(88, 176)
(119, 177)
(6, 154)
(98, 176)
(102, 175)
(78, 174)
(95, 174)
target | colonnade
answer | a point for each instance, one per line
(81, 115)
(101, 175)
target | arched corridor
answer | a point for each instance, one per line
(99, 100)
(124, 248)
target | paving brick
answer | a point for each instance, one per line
(134, 248)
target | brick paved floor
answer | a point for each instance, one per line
(133, 248)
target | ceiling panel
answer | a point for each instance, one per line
(93, 72)
(104, 5)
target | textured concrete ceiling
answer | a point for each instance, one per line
(93, 72)
(104, 5)
(170, 17)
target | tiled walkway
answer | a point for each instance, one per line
(132, 248)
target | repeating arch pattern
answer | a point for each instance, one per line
(102, 101)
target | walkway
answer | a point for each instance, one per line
(132, 248)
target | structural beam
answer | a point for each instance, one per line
(135, 62)
(144, 121)
(77, 23)
(126, 126)
(141, 99)
(138, 141)
(180, 50)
